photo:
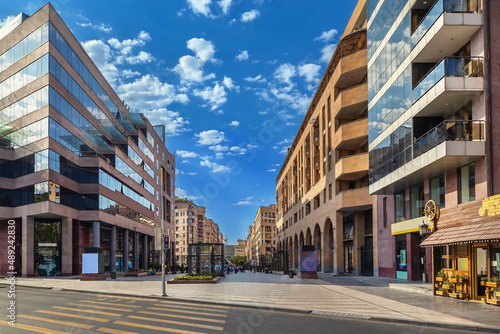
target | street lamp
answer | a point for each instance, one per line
(423, 230)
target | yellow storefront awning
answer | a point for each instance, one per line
(482, 232)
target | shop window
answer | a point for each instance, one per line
(417, 201)
(399, 207)
(466, 183)
(437, 190)
(446, 257)
(401, 266)
(495, 261)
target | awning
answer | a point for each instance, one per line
(483, 232)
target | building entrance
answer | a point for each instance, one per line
(480, 270)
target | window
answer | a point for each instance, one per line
(447, 257)
(308, 208)
(385, 211)
(399, 207)
(467, 183)
(324, 195)
(417, 201)
(330, 194)
(437, 190)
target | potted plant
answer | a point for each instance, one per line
(483, 280)
(447, 285)
(454, 278)
(464, 278)
(497, 294)
(440, 276)
(493, 282)
(461, 294)
(441, 292)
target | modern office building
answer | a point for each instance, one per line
(322, 187)
(262, 235)
(192, 227)
(77, 168)
(433, 101)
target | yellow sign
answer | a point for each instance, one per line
(490, 204)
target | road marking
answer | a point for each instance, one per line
(74, 316)
(156, 328)
(114, 331)
(189, 312)
(32, 328)
(207, 305)
(87, 311)
(176, 323)
(104, 303)
(192, 308)
(60, 322)
(101, 307)
(178, 316)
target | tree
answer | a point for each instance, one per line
(239, 260)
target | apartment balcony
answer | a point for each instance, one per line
(450, 84)
(450, 145)
(352, 102)
(308, 172)
(351, 135)
(350, 58)
(307, 149)
(294, 169)
(352, 167)
(317, 161)
(354, 200)
(446, 28)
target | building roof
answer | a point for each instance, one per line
(483, 232)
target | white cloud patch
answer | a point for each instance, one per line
(174, 124)
(214, 96)
(255, 79)
(272, 170)
(327, 52)
(214, 167)
(310, 72)
(203, 49)
(200, 7)
(244, 202)
(250, 15)
(99, 27)
(190, 69)
(186, 154)
(6, 20)
(229, 84)
(234, 123)
(124, 49)
(327, 36)
(243, 56)
(210, 137)
(181, 193)
(225, 5)
(284, 73)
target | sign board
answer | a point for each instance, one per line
(90, 263)
(307, 259)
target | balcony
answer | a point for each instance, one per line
(352, 167)
(351, 135)
(350, 58)
(450, 84)
(316, 136)
(448, 25)
(308, 172)
(317, 161)
(307, 149)
(450, 145)
(352, 102)
(354, 200)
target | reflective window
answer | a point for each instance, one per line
(27, 135)
(25, 76)
(467, 183)
(145, 149)
(114, 208)
(68, 140)
(25, 106)
(125, 169)
(113, 184)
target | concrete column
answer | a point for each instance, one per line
(359, 240)
(338, 245)
(67, 246)
(326, 251)
(112, 250)
(28, 246)
(136, 250)
(96, 234)
(125, 249)
(145, 252)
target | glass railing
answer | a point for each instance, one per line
(443, 6)
(449, 131)
(449, 67)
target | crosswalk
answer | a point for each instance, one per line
(123, 315)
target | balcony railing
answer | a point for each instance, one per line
(449, 67)
(449, 131)
(443, 6)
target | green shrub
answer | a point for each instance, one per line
(190, 277)
(440, 274)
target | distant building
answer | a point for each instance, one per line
(239, 249)
(77, 168)
(262, 234)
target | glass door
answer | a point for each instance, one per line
(480, 270)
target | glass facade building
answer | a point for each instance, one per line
(71, 150)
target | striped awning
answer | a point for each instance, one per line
(467, 234)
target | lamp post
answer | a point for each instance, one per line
(163, 253)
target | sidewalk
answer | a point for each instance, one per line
(341, 296)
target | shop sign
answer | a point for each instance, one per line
(490, 204)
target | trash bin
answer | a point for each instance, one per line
(113, 275)
(290, 274)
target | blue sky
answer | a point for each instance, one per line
(230, 79)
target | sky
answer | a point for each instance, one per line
(230, 79)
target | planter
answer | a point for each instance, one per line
(440, 279)
(454, 280)
(441, 293)
(497, 295)
(446, 286)
(452, 295)
(483, 283)
(462, 295)
(493, 284)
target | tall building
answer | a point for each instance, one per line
(239, 248)
(322, 187)
(192, 227)
(432, 69)
(77, 168)
(262, 236)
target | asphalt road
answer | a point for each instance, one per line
(53, 312)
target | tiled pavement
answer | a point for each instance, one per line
(361, 297)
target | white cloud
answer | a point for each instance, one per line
(236, 150)
(327, 36)
(214, 96)
(272, 170)
(246, 201)
(284, 73)
(101, 55)
(310, 72)
(214, 167)
(181, 193)
(200, 7)
(128, 73)
(126, 46)
(228, 82)
(142, 58)
(243, 56)
(100, 27)
(210, 137)
(190, 69)
(6, 20)
(174, 123)
(255, 79)
(225, 5)
(186, 154)
(250, 15)
(219, 148)
(203, 49)
(234, 123)
(327, 52)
